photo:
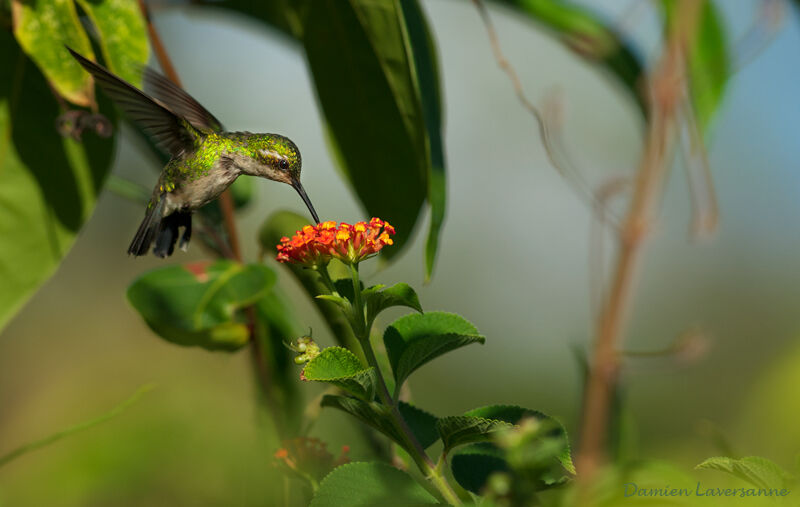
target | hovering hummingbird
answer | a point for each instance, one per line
(204, 161)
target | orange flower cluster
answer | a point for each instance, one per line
(316, 245)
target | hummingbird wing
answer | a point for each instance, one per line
(177, 100)
(171, 132)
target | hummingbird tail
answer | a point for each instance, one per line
(168, 233)
(148, 229)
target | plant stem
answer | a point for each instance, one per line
(667, 86)
(225, 200)
(412, 445)
(261, 367)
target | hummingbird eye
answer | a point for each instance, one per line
(284, 164)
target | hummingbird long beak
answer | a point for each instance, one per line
(300, 190)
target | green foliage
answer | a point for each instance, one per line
(480, 424)
(196, 305)
(121, 36)
(422, 423)
(416, 339)
(472, 465)
(360, 61)
(590, 37)
(379, 417)
(709, 65)
(760, 472)
(371, 413)
(42, 28)
(375, 64)
(426, 67)
(50, 184)
(370, 484)
(340, 367)
(378, 298)
(276, 325)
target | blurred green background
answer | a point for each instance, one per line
(515, 260)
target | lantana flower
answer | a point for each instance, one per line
(316, 245)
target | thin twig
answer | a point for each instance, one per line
(546, 134)
(666, 87)
(705, 209)
(597, 281)
(55, 437)
(261, 367)
(760, 33)
(225, 199)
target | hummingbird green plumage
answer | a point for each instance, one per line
(204, 161)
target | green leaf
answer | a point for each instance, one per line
(42, 28)
(340, 367)
(341, 302)
(473, 464)
(368, 485)
(371, 413)
(709, 64)
(415, 339)
(378, 299)
(760, 472)
(49, 183)
(482, 424)
(360, 60)
(122, 36)
(279, 15)
(378, 416)
(426, 67)
(588, 36)
(275, 325)
(196, 305)
(422, 423)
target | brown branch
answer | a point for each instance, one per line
(260, 366)
(225, 200)
(666, 89)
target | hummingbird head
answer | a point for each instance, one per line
(277, 158)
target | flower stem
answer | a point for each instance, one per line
(411, 444)
(326, 278)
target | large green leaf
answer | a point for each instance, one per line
(360, 60)
(589, 36)
(196, 305)
(378, 416)
(422, 423)
(371, 413)
(758, 471)
(473, 464)
(121, 35)
(276, 325)
(484, 423)
(709, 65)
(48, 184)
(42, 28)
(375, 68)
(415, 339)
(340, 367)
(378, 298)
(368, 485)
(426, 67)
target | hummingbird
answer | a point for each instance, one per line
(204, 158)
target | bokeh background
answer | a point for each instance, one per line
(515, 260)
